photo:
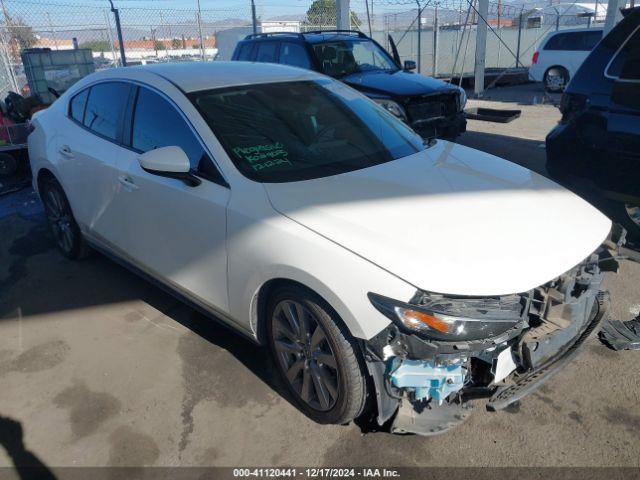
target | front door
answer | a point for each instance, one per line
(172, 230)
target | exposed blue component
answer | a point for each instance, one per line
(428, 380)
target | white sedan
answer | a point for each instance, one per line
(385, 273)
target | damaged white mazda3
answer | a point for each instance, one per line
(388, 274)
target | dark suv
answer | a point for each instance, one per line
(432, 107)
(595, 149)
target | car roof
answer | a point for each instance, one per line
(311, 37)
(571, 30)
(195, 76)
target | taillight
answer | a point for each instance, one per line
(534, 60)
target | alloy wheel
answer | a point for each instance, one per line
(60, 219)
(555, 81)
(305, 355)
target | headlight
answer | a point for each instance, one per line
(392, 107)
(439, 317)
(462, 99)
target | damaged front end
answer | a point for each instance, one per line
(441, 351)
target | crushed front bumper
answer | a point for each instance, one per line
(446, 376)
(564, 352)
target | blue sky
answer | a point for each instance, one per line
(266, 7)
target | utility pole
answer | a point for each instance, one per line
(419, 37)
(436, 37)
(520, 20)
(343, 20)
(53, 34)
(366, 2)
(613, 14)
(116, 14)
(481, 46)
(254, 20)
(107, 23)
(153, 39)
(202, 55)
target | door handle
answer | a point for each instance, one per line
(65, 151)
(127, 183)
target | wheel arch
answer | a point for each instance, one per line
(42, 175)
(559, 67)
(260, 303)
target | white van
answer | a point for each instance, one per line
(560, 55)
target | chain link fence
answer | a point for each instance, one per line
(448, 32)
(445, 39)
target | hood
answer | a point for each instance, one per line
(451, 220)
(398, 84)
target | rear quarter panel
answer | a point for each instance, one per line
(41, 144)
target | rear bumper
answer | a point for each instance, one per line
(535, 74)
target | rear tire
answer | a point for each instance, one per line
(555, 79)
(317, 358)
(65, 230)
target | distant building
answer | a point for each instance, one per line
(279, 26)
(53, 43)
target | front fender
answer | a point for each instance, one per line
(276, 247)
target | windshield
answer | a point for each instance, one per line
(291, 131)
(339, 58)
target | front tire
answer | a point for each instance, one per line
(318, 360)
(64, 228)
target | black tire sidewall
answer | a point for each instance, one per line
(328, 319)
(78, 248)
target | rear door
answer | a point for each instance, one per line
(174, 231)
(266, 51)
(89, 150)
(623, 127)
(294, 54)
(244, 52)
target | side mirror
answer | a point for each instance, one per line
(169, 162)
(165, 160)
(409, 65)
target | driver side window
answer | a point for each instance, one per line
(157, 123)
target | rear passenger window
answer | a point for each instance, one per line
(266, 52)
(574, 41)
(77, 104)
(157, 123)
(244, 54)
(105, 108)
(631, 53)
(294, 54)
